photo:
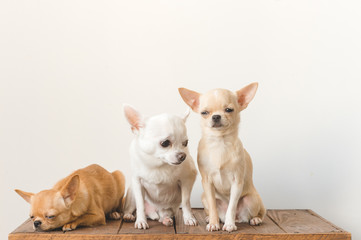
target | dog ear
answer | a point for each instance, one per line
(186, 115)
(26, 195)
(69, 191)
(246, 94)
(133, 117)
(191, 98)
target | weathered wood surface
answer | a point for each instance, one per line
(278, 224)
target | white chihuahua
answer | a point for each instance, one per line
(163, 170)
(225, 166)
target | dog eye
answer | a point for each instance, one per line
(31, 217)
(205, 113)
(165, 143)
(185, 143)
(50, 217)
(229, 110)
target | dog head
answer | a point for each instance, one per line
(51, 209)
(219, 108)
(163, 136)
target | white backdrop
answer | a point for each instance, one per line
(66, 67)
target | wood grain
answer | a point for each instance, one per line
(278, 224)
(300, 221)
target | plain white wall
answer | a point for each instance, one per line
(66, 67)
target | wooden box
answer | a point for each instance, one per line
(278, 224)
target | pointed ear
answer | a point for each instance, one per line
(69, 191)
(186, 115)
(133, 117)
(191, 98)
(246, 94)
(26, 195)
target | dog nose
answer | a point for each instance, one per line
(37, 223)
(181, 156)
(216, 118)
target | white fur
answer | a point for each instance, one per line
(158, 186)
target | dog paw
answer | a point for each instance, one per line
(128, 217)
(207, 219)
(190, 221)
(212, 227)
(255, 221)
(69, 227)
(167, 221)
(141, 224)
(229, 227)
(114, 216)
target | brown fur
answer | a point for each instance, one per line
(84, 198)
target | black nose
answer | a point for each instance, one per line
(216, 118)
(37, 223)
(181, 156)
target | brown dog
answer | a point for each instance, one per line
(84, 198)
(225, 166)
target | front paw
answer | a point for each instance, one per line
(190, 221)
(212, 227)
(128, 217)
(69, 226)
(141, 224)
(229, 227)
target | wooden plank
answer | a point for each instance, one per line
(278, 224)
(268, 226)
(26, 231)
(181, 228)
(323, 219)
(27, 227)
(300, 221)
(284, 236)
(111, 228)
(155, 227)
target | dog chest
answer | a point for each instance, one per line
(222, 181)
(166, 192)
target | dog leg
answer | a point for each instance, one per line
(205, 205)
(150, 210)
(210, 197)
(186, 188)
(89, 219)
(129, 206)
(250, 209)
(141, 221)
(222, 207)
(229, 223)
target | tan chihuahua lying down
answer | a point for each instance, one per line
(84, 198)
(225, 166)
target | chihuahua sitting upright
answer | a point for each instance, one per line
(163, 170)
(225, 166)
(84, 198)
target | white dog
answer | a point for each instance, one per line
(163, 170)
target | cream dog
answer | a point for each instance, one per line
(225, 166)
(163, 170)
